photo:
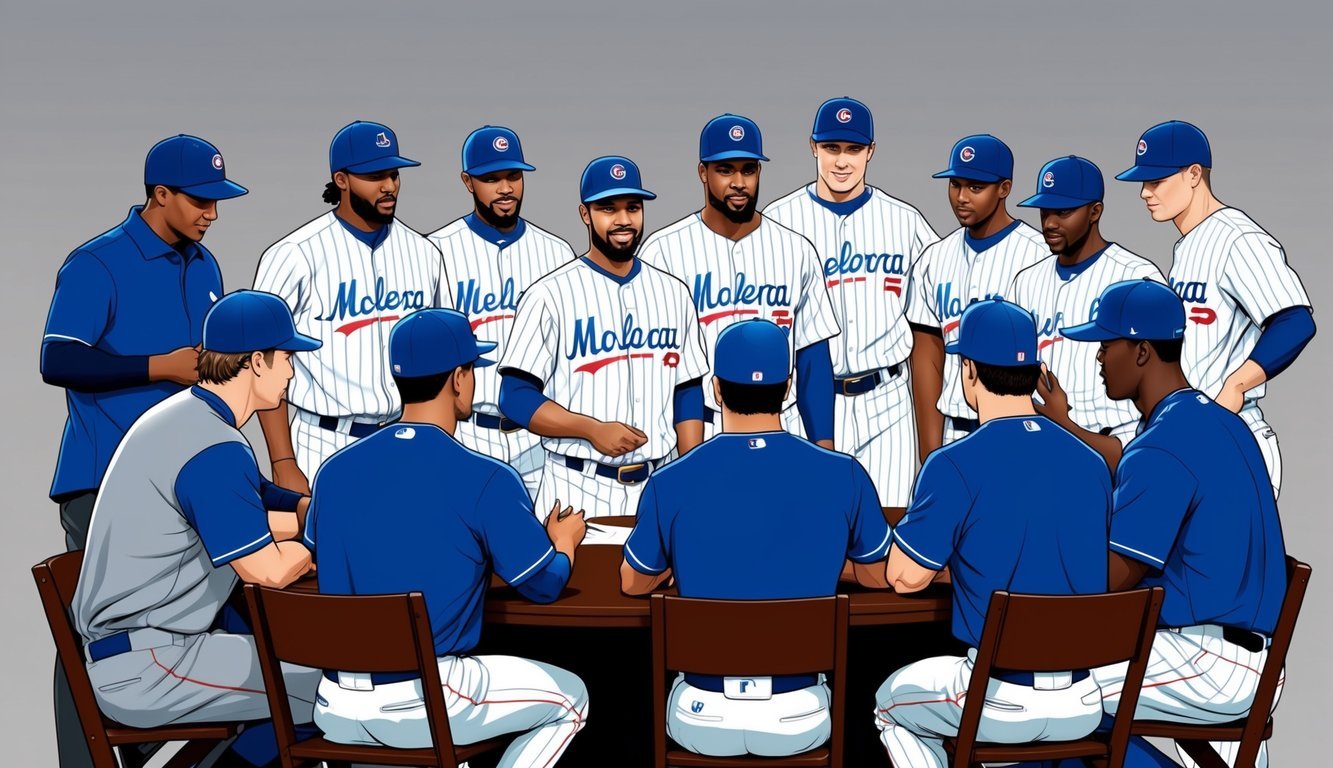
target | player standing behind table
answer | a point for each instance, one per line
(1194, 514)
(976, 261)
(695, 514)
(123, 334)
(444, 546)
(742, 266)
(495, 255)
(868, 242)
(1063, 289)
(1249, 315)
(348, 275)
(183, 513)
(604, 360)
(977, 515)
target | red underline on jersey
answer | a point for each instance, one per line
(834, 283)
(706, 319)
(350, 328)
(1048, 342)
(491, 319)
(598, 365)
(951, 325)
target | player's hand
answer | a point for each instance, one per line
(565, 527)
(286, 474)
(1055, 402)
(613, 438)
(178, 365)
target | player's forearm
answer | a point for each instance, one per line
(77, 366)
(554, 420)
(1108, 446)
(814, 391)
(1284, 337)
(689, 434)
(927, 383)
(870, 575)
(277, 434)
(276, 565)
(633, 582)
(284, 526)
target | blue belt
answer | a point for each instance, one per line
(357, 429)
(781, 683)
(379, 678)
(1025, 678)
(964, 425)
(861, 383)
(111, 645)
(627, 474)
(487, 421)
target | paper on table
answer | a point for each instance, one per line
(606, 534)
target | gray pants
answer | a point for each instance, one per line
(75, 515)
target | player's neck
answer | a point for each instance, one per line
(997, 221)
(236, 394)
(992, 406)
(719, 223)
(741, 423)
(1092, 245)
(825, 192)
(1156, 384)
(152, 216)
(1201, 207)
(349, 215)
(617, 268)
(439, 412)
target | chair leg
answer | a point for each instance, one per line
(1202, 753)
(191, 753)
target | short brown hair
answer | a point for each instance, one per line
(222, 367)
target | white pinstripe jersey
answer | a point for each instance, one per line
(609, 349)
(349, 298)
(1056, 304)
(489, 280)
(772, 274)
(950, 275)
(867, 257)
(1232, 276)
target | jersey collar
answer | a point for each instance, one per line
(1069, 273)
(492, 235)
(633, 271)
(372, 240)
(214, 402)
(1165, 404)
(986, 243)
(146, 240)
(846, 208)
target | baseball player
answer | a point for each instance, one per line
(122, 335)
(348, 276)
(1064, 288)
(604, 360)
(974, 517)
(1249, 315)
(697, 512)
(495, 255)
(741, 266)
(445, 548)
(1194, 514)
(182, 515)
(979, 260)
(867, 242)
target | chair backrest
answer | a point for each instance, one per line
(749, 638)
(329, 632)
(57, 577)
(1049, 633)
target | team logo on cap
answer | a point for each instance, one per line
(381, 140)
(501, 144)
(617, 171)
(217, 162)
(757, 376)
(1020, 357)
(737, 132)
(1048, 180)
(844, 115)
(966, 154)
(1143, 146)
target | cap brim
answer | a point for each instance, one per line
(300, 343)
(1088, 332)
(1058, 202)
(482, 348)
(953, 348)
(621, 192)
(499, 165)
(717, 157)
(842, 135)
(382, 164)
(215, 190)
(970, 174)
(1147, 173)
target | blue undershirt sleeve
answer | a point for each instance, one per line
(689, 401)
(276, 498)
(1284, 336)
(520, 396)
(814, 390)
(77, 366)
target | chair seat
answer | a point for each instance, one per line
(1195, 732)
(117, 735)
(815, 757)
(320, 748)
(990, 752)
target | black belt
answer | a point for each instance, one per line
(629, 474)
(111, 645)
(357, 429)
(862, 383)
(487, 421)
(1025, 678)
(380, 678)
(964, 425)
(781, 684)
(1253, 642)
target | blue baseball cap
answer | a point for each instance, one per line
(612, 176)
(979, 158)
(1134, 309)
(996, 332)
(431, 341)
(364, 147)
(844, 119)
(192, 165)
(1067, 182)
(1166, 148)
(730, 137)
(752, 352)
(492, 148)
(253, 321)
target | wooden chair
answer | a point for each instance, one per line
(285, 623)
(1047, 633)
(56, 579)
(1254, 728)
(753, 638)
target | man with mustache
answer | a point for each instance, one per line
(494, 255)
(348, 276)
(741, 265)
(605, 360)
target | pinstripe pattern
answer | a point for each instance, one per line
(1057, 304)
(949, 276)
(772, 273)
(597, 496)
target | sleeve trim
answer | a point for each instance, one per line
(1136, 554)
(921, 559)
(62, 337)
(639, 565)
(514, 582)
(241, 551)
(883, 545)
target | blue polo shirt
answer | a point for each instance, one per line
(409, 509)
(1193, 501)
(1019, 505)
(128, 293)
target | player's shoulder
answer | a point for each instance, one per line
(571, 272)
(1036, 272)
(453, 229)
(888, 203)
(101, 244)
(796, 199)
(666, 280)
(397, 228)
(546, 237)
(1128, 261)
(773, 229)
(307, 231)
(681, 228)
(1029, 236)
(950, 243)
(1074, 453)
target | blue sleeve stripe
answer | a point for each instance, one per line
(639, 565)
(63, 337)
(878, 552)
(248, 549)
(528, 571)
(305, 538)
(1134, 553)
(921, 559)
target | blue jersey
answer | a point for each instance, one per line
(983, 509)
(757, 516)
(1194, 502)
(409, 509)
(125, 292)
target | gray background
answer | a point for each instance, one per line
(87, 90)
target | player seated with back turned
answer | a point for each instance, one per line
(980, 512)
(410, 509)
(698, 511)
